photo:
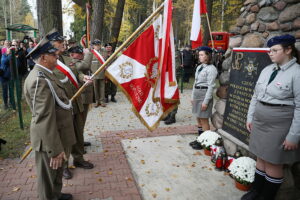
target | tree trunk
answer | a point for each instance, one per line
(117, 23)
(206, 34)
(49, 16)
(97, 19)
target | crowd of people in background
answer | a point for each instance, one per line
(21, 48)
(186, 61)
(8, 73)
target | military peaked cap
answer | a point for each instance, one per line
(43, 47)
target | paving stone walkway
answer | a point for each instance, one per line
(112, 178)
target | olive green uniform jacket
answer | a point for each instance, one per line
(51, 127)
(84, 68)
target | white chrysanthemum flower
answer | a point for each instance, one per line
(243, 169)
(208, 138)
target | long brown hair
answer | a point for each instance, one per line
(295, 52)
(209, 55)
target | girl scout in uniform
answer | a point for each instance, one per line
(202, 98)
(274, 118)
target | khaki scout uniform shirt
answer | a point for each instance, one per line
(206, 78)
(51, 128)
(84, 68)
(284, 89)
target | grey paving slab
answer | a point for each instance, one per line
(119, 116)
(166, 168)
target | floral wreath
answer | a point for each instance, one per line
(156, 112)
(124, 70)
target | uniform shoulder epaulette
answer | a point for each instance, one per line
(41, 74)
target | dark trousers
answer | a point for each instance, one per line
(187, 72)
(78, 148)
(7, 91)
(110, 88)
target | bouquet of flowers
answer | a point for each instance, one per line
(242, 170)
(208, 138)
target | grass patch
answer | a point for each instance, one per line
(16, 138)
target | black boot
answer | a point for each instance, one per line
(271, 187)
(257, 186)
(2, 142)
(166, 118)
(197, 146)
(171, 120)
(106, 99)
(83, 164)
(199, 133)
(65, 196)
(86, 144)
(200, 130)
(113, 99)
(67, 173)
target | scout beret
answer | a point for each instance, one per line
(283, 39)
(204, 48)
(54, 35)
(76, 49)
(96, 42)
(43, 47)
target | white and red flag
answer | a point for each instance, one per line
(166, 87)
(196, 32)
(98, 56)
(83, 41)
(137, 73)
(68, 72)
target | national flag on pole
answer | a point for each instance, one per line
(196, 32)
(88, 17)
(83, 41)
(136, 73)
(98, 56)
(166, 88)
(68, 72)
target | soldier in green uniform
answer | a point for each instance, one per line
(51, 130)
(82, 60)
(99, 79)
(110, 87)
(81, 63)
(71, 88)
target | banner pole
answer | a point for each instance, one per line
(211, 38)
(88, 24)
(144, 24)
(181, 72)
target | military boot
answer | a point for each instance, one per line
(170, 120)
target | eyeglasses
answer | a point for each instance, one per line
(274, 51)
